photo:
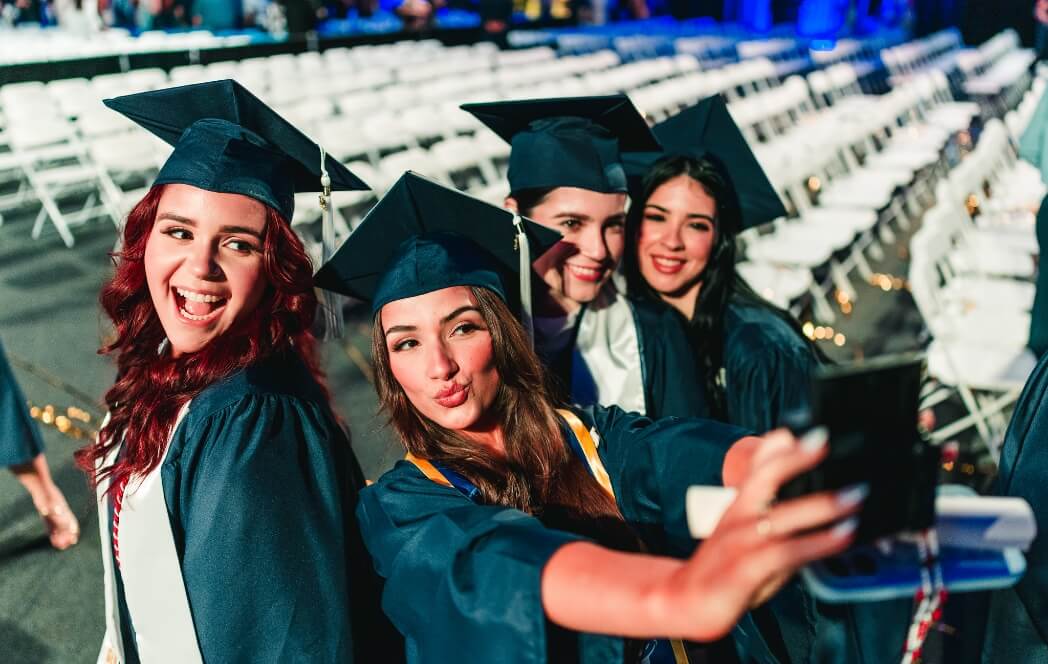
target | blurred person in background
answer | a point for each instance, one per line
(22, 452)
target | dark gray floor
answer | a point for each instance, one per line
(51, 603)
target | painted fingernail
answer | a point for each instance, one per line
(853, 495)
(815, 439)
(845, 528)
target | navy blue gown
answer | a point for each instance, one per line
(1017, 629)
(261, 487)
(20, 438)
(463, 579)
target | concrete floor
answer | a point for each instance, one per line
(51, 603)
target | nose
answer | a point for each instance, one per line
(672, 238)
(202, 263)
(591, 243)
(440, 365)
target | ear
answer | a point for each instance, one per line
(511, 204)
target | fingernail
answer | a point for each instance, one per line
(853, 495)
(815, 439)
(845, 528)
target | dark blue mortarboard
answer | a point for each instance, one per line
(568, 142)
(707, 129)
(228, 141)
(423, 236)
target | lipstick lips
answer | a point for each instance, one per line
(585, 273)
(452, 396)
(667, 265)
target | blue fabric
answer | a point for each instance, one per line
(463, 577)
(1017, 629)
(261, 487)
(434, 261)
(20, 438)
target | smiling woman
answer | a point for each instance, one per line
(204, 263)
(513, 530)
(221, 456)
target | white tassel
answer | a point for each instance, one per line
(524, 254)
(331, 302)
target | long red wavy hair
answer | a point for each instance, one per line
(151, 387)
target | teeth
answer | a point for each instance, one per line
(668, 262)
(588, 271)
(193, 316)
(197, 297)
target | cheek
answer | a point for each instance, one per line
(700, 246)
(407, 374)
(158, 266)
(616, 244)
(247, 283)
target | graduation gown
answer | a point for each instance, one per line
(767, 368)
(1017, 628)
(1039, 313)
(260, 487)
(463, 577)
(20, 438)
(625, 352)
(767, 373)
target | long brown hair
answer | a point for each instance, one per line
(538, 474)
(151, 388)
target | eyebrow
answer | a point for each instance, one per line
(171, 216)
(690, 215)
(443, 321)
(568, 214)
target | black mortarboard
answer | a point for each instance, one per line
(707, 129)
(568, 142)
(228, 141)
(423, 236)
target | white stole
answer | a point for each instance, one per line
(609, 348)
(153, 587)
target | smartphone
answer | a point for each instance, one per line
(870, 410)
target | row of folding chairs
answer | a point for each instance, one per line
(971, 267)
(849, 165)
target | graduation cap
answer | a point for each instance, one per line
(423, 237)
(568, 142)
(708, 130)
(228, 141)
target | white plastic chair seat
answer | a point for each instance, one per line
(992, 327)
(778, 284)
(67, 176)
(856, 220)
(1009, 240)
(978, 366)
(786, 246)
(950, 118)
(994, 261)
(988, 292)
(904, 157)
(862, 190)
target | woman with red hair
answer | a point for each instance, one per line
(227, 485)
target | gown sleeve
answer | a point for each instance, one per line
(462, 580)
(652, 463)
(20, 439)
(1018, 621)
(673, 387)
(766, 379)
(258, 501)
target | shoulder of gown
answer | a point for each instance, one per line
(652, 463)
(672, 385)
(1020, 615)
(460, 577)
(261, 485)
(767, 366)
